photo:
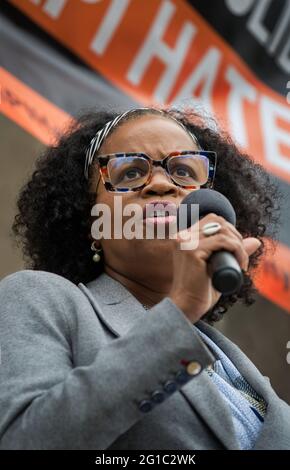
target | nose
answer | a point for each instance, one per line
(160, 183)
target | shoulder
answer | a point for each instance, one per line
(48, 285)
(40, 296)
(38, 285)
(28, 278)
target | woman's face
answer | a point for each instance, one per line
(157, 137)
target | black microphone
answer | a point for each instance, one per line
(223, 267)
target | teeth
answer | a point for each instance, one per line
(160, 214)
(163, 211)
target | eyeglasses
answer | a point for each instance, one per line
(131, 171)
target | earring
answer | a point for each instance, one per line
(96, 257)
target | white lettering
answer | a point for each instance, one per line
(109, 25)
(205, 72)
(133, 222)
(54, 8)
(101, 227)
(154, 46)
(284, 57)
(280, 28)
(240, 90)
(273, 135)
(255, 24)
(238, 7)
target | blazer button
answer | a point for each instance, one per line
(170, 386)
(145, 406)
(181, 377)
(193, 368)
(157, 396)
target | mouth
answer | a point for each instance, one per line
(159, 212)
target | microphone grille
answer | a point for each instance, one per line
(209, 201)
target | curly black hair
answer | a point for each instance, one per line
(53, 222)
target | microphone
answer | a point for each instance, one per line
(223, 267)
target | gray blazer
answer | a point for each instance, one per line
(87, 367)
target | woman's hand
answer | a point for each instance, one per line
(192, 289)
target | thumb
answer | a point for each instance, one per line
(251, 245)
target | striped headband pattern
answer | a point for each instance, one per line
(100, 136)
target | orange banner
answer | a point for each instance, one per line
(30, 110)
(44, 121)
(117, 52)
(164, 51)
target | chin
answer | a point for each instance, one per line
(157, 246)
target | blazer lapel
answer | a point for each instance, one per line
(278, 412)
(115, 306)
(119, 310)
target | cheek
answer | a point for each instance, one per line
(109, 209)
(101, 213)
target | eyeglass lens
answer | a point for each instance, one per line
(132, 171)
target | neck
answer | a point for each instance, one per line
(145, 292)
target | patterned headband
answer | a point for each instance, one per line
(100, 136)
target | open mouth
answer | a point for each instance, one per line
(159, 212)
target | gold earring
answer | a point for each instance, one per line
(96, 257)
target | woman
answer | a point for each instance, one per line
(117, 352)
